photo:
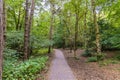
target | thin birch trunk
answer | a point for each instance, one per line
(1, 38)
(96, 28)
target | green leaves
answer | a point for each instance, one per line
(24, 70)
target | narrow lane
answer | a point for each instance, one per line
(59, 69)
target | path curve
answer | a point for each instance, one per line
(59, 69)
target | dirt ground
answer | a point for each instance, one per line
(92, 70)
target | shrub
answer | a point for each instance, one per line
(10, 54)
(14, 40)
(117, 57)
(92, 59)
(107, 62)
(42, 51)
(87, 53)
(23, 70)
(100, 56)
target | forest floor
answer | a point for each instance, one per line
(44, 73)
(92, 70)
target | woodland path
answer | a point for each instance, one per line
(59, 69)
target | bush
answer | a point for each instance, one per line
(23, 70)
(108, 61)
(87, 53)
(92, 59)
(117, 57)
(42, 51)
(14, 40)
(101, 56)
(10, 54)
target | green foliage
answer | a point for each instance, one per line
(38, 52)
(23, 70)
(100, 56)
(108, 61)
(96, 57)
(117, 57)
(92, 59)
(59, 36)
(110, 35)
(14, 40)
(87, 53)
(10, 54)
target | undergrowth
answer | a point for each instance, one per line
(26, 70)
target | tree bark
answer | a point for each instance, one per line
(18, 22)
(51, 26)
(30, 22)
(76, 35)
(26, 44)
(1, 38)
(85, 24)
(4, 22)
(96, 28)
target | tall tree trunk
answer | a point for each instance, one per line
(1, 37)
(76, 36)
(15, 18)
(4, 22)
(26, 41)
(85, 24)
(51, 26)
(85, 32)
(30, 22)
(96, 27)
(22, 22)
(18, 22)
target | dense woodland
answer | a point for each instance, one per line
(30, 29)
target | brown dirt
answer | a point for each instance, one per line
(92, 70)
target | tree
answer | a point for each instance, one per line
(26, 44)
(76, 4)
(4, 21)
(96, 27)
(1, 37)
(28, 24)
(51, 24)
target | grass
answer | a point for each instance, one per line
(92, 59)
(41, 51)
(107, 62)
(114, 60)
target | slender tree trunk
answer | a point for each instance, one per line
(51, 26)
(85, 24)
(15, 18)
(4, 22)
(76, 36)
(1, 38)
(18, 22)
(22, 22)
(26, 41)
(96, 27)
(30, 22)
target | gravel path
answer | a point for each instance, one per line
(59, 69)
